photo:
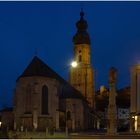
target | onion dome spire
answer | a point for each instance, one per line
(82, 36)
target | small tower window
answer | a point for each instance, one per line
(80, 58)
(79, 51)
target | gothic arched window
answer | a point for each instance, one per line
(68, 115)
(28, 99)
(44, 100)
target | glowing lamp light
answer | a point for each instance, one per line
(74, 64)
(136, 123)
(0, 124)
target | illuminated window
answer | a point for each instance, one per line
(44, 100)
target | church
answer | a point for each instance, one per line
(43, 99)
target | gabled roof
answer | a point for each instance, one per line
(38, 68)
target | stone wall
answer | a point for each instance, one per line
(76, 109)
(36, 84)
(7, 119)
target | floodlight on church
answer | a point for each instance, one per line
(74, 64)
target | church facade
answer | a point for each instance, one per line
(43, 99)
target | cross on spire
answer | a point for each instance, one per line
(82, 13)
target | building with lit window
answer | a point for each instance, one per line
(122, 104)
(135, 98)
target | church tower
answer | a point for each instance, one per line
(81, 77)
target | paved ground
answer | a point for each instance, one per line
(103, 136)
(89, 135)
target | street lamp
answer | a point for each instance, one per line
(0, 124)
(74, 64)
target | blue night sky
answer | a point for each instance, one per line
(48, 27)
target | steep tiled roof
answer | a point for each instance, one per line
(38, 68)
